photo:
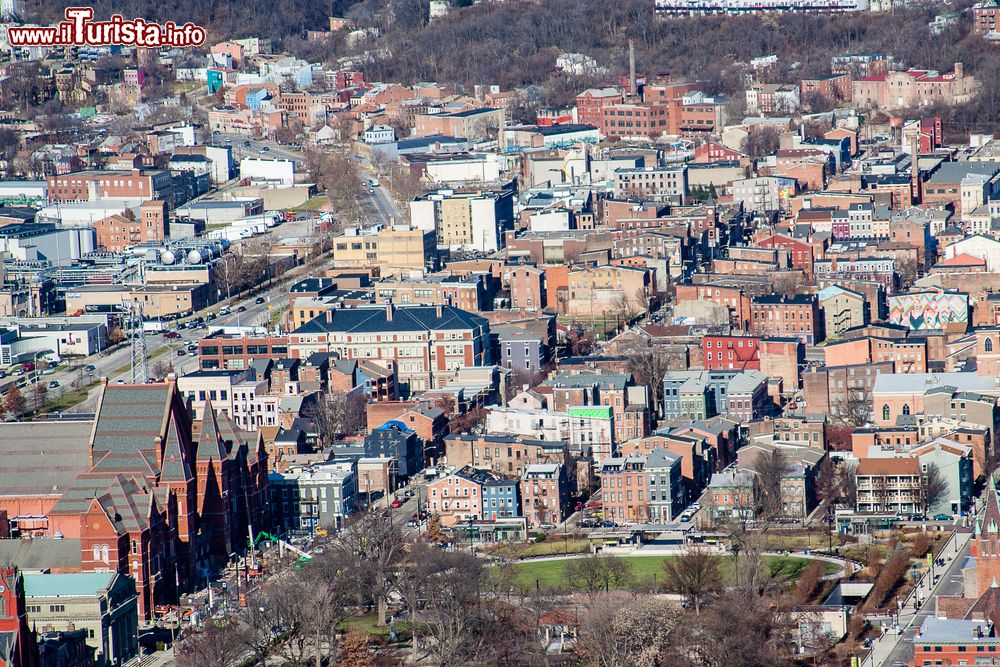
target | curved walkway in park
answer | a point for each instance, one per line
(847, 567)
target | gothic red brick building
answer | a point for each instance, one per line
(985, 545)
(159, 498)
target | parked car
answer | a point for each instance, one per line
(607, 524)
(396, 502)
(180, 353)
(547, 526)
(53, 384)
(90, 368)
(225, 310)
(942, 517)
(241, 309)
(412, 523)
(259, 300)
(120, 381)
(170, 335)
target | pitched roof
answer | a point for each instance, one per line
(130, 417)
(42, 457)
(41, 553)
(210, 444)
(403, 319)
(889, 466)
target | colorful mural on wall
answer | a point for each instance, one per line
(929, 310)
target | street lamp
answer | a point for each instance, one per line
(472, 545)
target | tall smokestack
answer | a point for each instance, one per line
(915, 184)
(631, 68)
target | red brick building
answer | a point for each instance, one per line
(160, 498)
(731, 353)
(544, 493)
(17, 640)
(90, 185)
(623, 488)
(985, 544)
(788, 317)
(590, 104)
(984, 17)
(713, 151)
(801, 252)
(527, 287)
(222, 352)
(121, 231)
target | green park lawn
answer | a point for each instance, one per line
(550, 574)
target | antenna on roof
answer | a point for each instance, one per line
(137, 338)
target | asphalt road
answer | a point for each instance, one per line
(256, 148)
(384, 205)
(950, 583)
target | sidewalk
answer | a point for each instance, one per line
(919, 601)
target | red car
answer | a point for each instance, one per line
(396, 502)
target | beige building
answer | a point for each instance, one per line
(393, 251)
(473, 219)
(609, 291)
(912, 88)
(842, 309)
(104, 604)
(157, 301)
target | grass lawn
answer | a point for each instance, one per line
(550, 547)
(314, 203)
(369, 625)
(551, 574)
(68, 399)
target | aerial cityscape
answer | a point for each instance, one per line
(647, 333)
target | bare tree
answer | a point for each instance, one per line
(649, 366)
(847, 483)
(771, 468)
(809, 579)
(854, 407)
(933, 487)
(761, 142)
(597, 572)
(453, 609)
(372, 548)
(14, 403)
(621, 630)
(907, 270)
(217, 644)
(337, 413)
(259, 626)
(696, 574)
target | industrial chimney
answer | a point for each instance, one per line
(632, 88)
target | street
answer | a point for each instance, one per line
(893, 650)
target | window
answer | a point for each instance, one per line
(988, 345)
(885, 412)
(906, 409)
(57, 607)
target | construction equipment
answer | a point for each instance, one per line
(304, 556)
